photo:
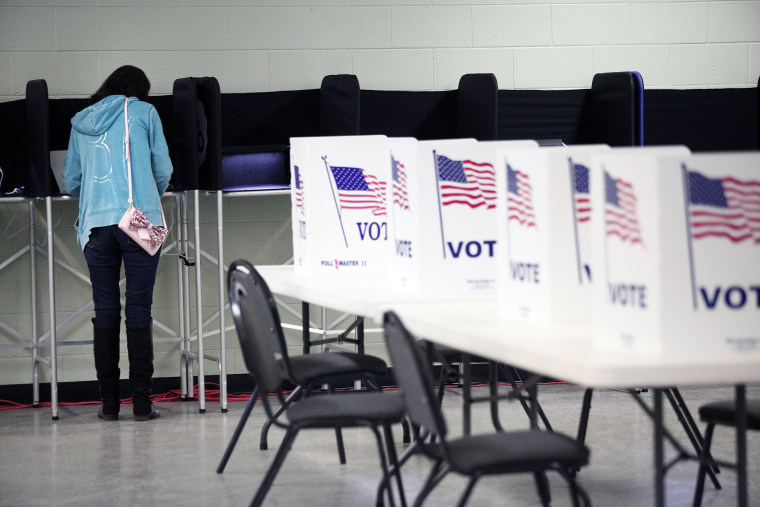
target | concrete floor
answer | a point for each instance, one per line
(80, 460)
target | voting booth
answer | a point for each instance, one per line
(339, 211)
(544, 223)
(446, 234)
(678, 249)
(636, 247)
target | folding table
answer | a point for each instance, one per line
(475, 326)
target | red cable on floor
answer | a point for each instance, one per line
(176, 395)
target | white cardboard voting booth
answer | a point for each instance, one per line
(404, 203)
(721, 298)
(445, 225)
(544, 223)
(640, 226)
(670, 280)
(339, 211)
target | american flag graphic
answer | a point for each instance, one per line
(466, 182)
(581, 193)
(620, 210)
(520, 198)
(724, 207)
(400, 195)
(299, 190)
(359, 190)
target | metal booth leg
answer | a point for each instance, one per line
(51, 299)
(222, 299)
(199, 302)
(33, 278)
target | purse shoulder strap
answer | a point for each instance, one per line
(126, 143)
(129, 161)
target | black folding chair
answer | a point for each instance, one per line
(724, 413)
(258, 328)
(474, 456)
(306, 372)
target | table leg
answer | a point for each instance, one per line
(466, 394)
(741, 445)
(659, 454)
(306, 337)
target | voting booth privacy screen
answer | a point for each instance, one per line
(340, 212)
(544, 220)
(677, 251)
(452, 231)
(653, 249)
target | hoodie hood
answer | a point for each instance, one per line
(99, 117)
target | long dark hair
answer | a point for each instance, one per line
(126, 80)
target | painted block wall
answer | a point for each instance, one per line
(267, 45)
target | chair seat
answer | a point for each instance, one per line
(724, 412)
(515, 451)
(328, 410)
(311, 367)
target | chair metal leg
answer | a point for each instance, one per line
(411, 450)
(274, 468)
(383, 464)
(341, 447)
(583, 423)
(268, 423)
(407, 433)
(437, 473)
(577, 492)
(394, 467)
(238, 431)
(703, 464)
(468, 490)
(542, 484)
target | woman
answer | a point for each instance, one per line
(96, 171)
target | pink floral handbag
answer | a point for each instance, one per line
(134, 223)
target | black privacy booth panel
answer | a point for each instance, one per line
(477, 103)
(610, 112)
(39, 174)
(31, 157)
(468, 111)
(616, 103)
(258, 127)
(196, 134)
(703, 119)
(12, 154)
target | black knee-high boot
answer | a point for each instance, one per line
(106, 351)
(140, 349)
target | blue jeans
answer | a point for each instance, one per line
(104, 253)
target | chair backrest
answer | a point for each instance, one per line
(413, 376)
(258, 325)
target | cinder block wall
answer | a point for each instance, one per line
(265, 45)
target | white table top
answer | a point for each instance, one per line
(472, 323)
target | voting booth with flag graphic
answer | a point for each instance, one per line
(544, 223)
(340, 211)
(299, 154)
(403, 214)
(675, 263)
(448, 233)
(638, 260)
(722, 208)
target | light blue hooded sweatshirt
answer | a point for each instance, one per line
(96, 164)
